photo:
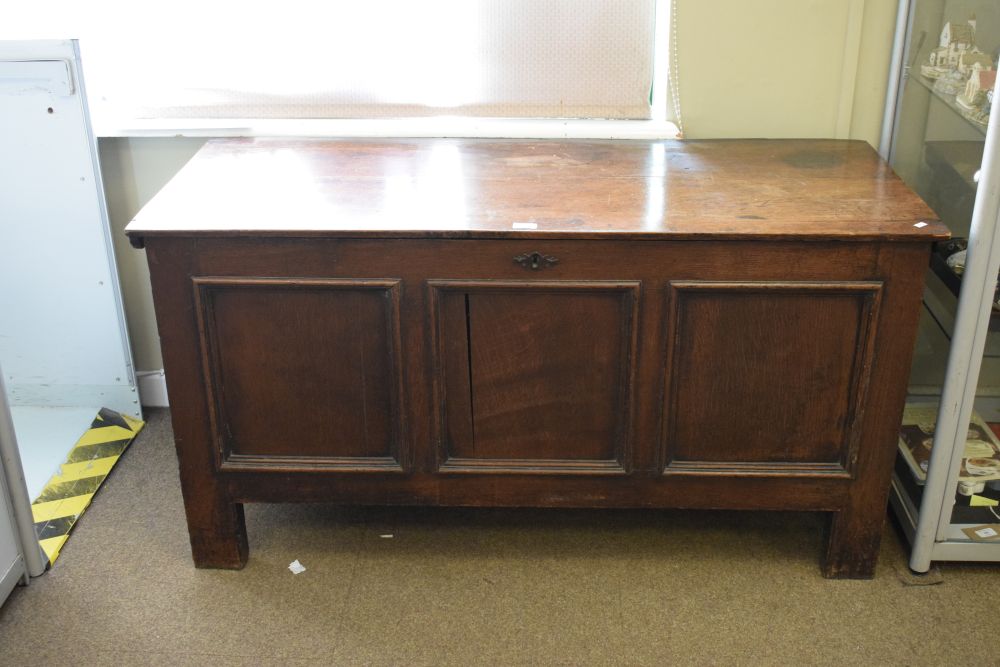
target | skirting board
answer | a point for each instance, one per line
(152, 388)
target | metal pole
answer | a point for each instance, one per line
(895, 76)
(965, 357)
(19, 501)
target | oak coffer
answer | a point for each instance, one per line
(703, 324)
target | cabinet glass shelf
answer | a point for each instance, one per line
(949, 101)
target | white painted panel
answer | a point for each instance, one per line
(62, 340)
(12, 476)
(20, 77)
(11, 563)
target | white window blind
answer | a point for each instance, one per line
(379, 58)
(212, 64)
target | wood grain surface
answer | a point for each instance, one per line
(530, 189)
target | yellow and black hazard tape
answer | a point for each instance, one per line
(69, 492)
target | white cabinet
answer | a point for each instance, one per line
(12, 567)
(19, 552)
(945, 145)
(63, 343)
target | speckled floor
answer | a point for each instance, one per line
(477, 587)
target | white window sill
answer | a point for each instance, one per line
(495, 128)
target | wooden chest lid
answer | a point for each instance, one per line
(487, 188)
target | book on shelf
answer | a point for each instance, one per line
(980, 460)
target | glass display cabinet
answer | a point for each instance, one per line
(944, 144)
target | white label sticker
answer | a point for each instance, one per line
(525, 225)
(920, 224)
(986, 532)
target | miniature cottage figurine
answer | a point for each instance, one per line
(974, 95)
(969, 59)
(956, 39)
(960, 35)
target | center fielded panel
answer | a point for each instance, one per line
(538, 375)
